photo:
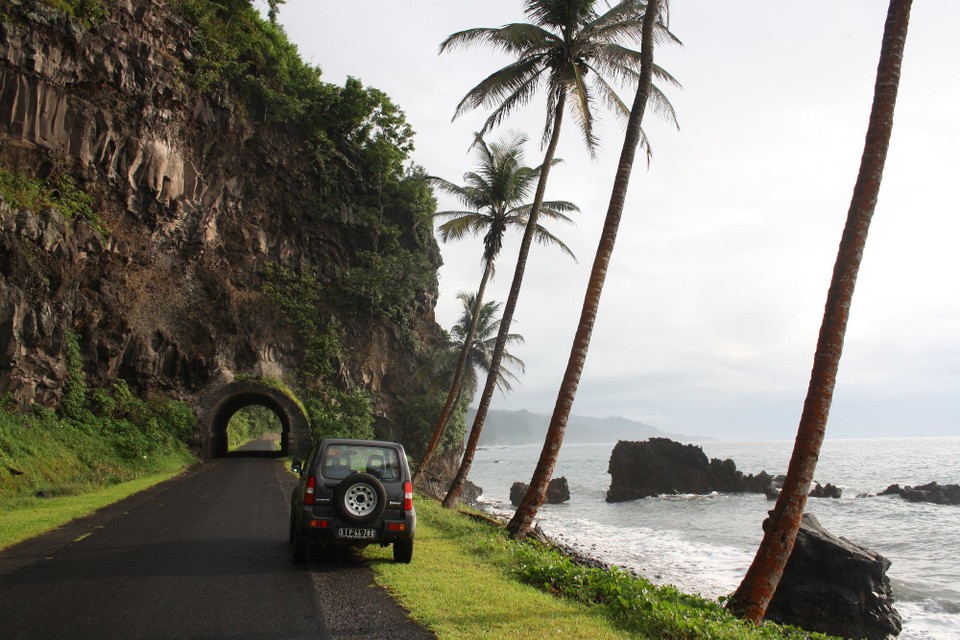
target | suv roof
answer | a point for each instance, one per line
(381, 443)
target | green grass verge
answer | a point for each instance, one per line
(453, 589)
(23, 518)
(469, 580)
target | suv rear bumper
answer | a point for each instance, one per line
(329, 530)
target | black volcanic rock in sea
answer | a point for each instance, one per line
(833, 586)
(930, 492)
(826, 491)
(661, 466)
(558, 491)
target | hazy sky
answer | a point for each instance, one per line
(712, 305)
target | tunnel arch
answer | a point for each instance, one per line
(221, 403)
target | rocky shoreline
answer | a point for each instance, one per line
(830, 585)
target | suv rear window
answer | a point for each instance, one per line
(342, 460)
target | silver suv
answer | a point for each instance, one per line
(353, 492)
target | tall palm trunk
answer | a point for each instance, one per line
(454, 392)
(456, 487)
(537, 491)
(755, 592)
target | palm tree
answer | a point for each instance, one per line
(536, 492)
(575, 52)
(481, 327)
(494, 196)
(485, 326)
(780, 532)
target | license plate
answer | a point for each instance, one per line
(356, 534)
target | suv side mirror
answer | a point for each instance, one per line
(297, 467)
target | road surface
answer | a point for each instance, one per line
(202, 556)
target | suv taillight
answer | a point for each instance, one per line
(407, 496)
(310, 492)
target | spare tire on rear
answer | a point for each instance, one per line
(360, 498)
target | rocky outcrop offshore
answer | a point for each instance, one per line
(826, 491)
(661, 466)
(833, 586)
(558, 491)
(930, 492)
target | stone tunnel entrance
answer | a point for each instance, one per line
(220, 404)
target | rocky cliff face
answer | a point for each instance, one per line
(198, 201)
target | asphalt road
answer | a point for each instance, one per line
(202, 556)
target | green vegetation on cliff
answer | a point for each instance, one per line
(358, 144)
(124, 439)
(88, 12)
(345, 149)
(99, 437)
(60, 194)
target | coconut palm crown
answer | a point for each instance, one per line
(495, 198)
(572, 50)
(440, 368)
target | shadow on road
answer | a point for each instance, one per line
(241, 453)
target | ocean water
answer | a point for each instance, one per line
(704, 544)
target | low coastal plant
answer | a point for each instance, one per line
(639, 605)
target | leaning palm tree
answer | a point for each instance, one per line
(495, 199)
(780, 532)
(537, 490)
(575, 53)
(474, 334)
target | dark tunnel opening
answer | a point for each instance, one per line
(228, 400)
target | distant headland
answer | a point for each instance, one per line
(523, 427)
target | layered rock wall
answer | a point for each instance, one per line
(197, 200)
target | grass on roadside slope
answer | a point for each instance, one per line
(468, 580)
(453, 589)
(101, 447)
(24, 518)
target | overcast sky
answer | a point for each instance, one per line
(713, 301)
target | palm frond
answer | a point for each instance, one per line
(616, 62)
(510, 38)
(544, 237)
(662, 74)
(556, 210)
(662, 35)
(460, 227)
(662, 106)
(582, 113)
(622, 22)
(514, 101)
(610, 97)
(501, 85)
(447, 186)
(559, 13)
